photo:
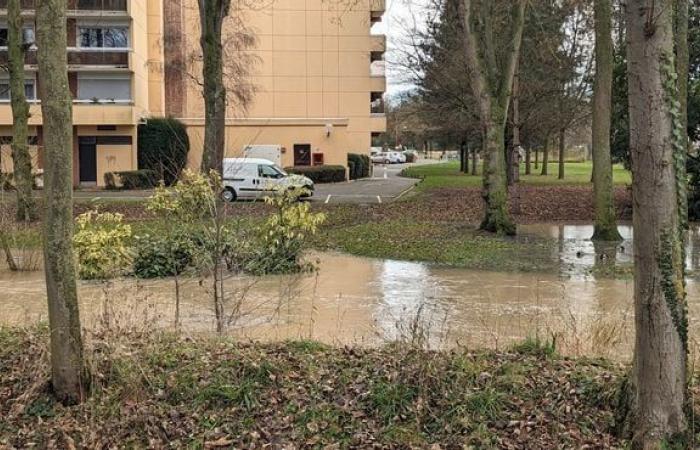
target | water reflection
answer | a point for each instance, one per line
(581, 258)
(361, 301)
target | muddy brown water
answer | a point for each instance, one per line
(359, 301)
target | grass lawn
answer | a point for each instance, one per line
(447, 175)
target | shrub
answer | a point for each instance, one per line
(359, 166)
(131, 179)
(320, 174)
(410, 157)
(159, 256)
(163, 146)
(101, 245)
(284, 234)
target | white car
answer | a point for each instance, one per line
(389, 158)
(251, 178)
(397, 157)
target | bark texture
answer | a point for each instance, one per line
(492, 87)
(605, 222)
(658, 380)
(211, 17)
(21, 160)
(67, 365)
(682, 67)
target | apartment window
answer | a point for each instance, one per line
(29, 90)
(104, 36)
(28, 35)
(104, 87)
(377, 102)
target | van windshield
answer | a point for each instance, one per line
(279, 170)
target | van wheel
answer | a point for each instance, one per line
(229, 195)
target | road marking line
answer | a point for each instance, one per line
(385, 174)
(328, 199)
(379, 199)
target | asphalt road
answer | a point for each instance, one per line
(385, 186)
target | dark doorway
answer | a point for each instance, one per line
(87, 159)
(302, 154)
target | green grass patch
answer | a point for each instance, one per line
(440, 244)
(447, 175)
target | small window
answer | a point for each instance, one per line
(104, 37)
(27, 36)
(104, 87)
(268, 172)
(29, 90)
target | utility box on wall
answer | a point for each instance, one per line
(317, 159)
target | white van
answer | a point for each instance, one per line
(250, 178)
(269, 152)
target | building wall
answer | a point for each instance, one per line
(312, 69)
(145, 66)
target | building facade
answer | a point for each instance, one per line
(315, 67)
(115, 71)
(315, 71)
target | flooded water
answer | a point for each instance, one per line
(352, 300)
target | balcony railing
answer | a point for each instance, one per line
(377, 68)
(78, 5)
(112, 59)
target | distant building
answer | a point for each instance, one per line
(319, 77)
(319, 80)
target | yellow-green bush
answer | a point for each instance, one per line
(101, 245)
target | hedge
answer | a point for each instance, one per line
(131, 179)
(359, 166)
(320, 174)
(163, 146)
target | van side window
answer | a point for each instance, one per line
(267, 172)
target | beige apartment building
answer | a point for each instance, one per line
(316, 70)
(115, 71)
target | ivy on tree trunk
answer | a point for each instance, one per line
(653, 412)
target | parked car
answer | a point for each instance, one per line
(250, 178)
(380, 158)
(397, 157)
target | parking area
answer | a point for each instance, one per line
(383, 187)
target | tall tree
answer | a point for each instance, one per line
(605, 222)
(21, 160)
(658, 380)
(67, 365)
(211, 17)
(682, 62)
(492, 85)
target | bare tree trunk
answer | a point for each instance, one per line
(474, 160)
(515, 157)
(21, 160)
(67, 365)
(537, 158)
(605, 221)
(493, 97)
(528, 161)
(562, 153)
(211, 16)
(545, 157)
(656, 417)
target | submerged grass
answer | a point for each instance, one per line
(163, 389)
